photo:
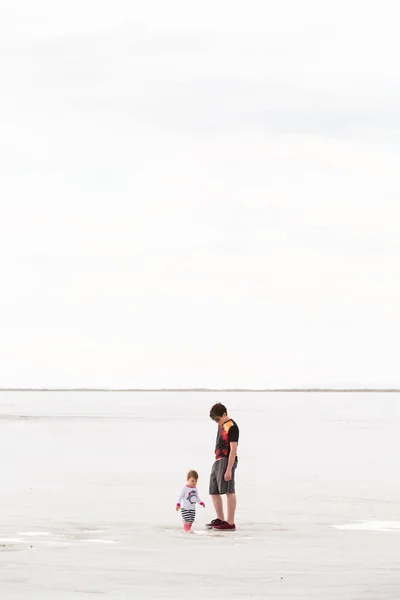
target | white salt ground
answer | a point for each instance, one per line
(89, 482)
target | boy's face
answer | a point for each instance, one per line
(218, 419)
(192, 482)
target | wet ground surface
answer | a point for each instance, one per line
(89, 483)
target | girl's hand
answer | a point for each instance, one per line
(177, 507)
(202, 504)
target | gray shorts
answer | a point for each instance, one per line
(218, 485)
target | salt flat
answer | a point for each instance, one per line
(89, 482)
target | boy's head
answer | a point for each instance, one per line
(192, 478)
(217, 412)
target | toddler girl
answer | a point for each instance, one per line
(189, 496)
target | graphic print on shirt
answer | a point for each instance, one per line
(192, 497)
(227, 433)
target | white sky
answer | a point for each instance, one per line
(199, 194)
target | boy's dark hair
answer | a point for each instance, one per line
(218, 410)
(193, 474)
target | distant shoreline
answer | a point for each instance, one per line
(312, 390)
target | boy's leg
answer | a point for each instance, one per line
(214, 492)
(228, 488)
(218, 506)
(231, 507)
(231, 497)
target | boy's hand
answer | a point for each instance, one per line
(228, 475)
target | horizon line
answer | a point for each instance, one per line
(213, 390)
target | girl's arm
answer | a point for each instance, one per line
(181, 496)
(200, 501)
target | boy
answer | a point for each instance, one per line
(222, 478)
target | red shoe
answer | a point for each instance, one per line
(213, 523)
(224, 526)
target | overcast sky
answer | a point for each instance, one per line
(199, 194)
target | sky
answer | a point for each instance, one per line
(199, 195)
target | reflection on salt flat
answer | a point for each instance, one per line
(371, 526)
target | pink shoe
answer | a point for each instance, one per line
(187, 527)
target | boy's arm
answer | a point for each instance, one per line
(231, 460)
(233, 436)
(232, 455)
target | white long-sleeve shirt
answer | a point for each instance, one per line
(189, 497)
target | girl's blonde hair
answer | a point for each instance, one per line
(193, 474)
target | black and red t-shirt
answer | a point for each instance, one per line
(227, 433)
